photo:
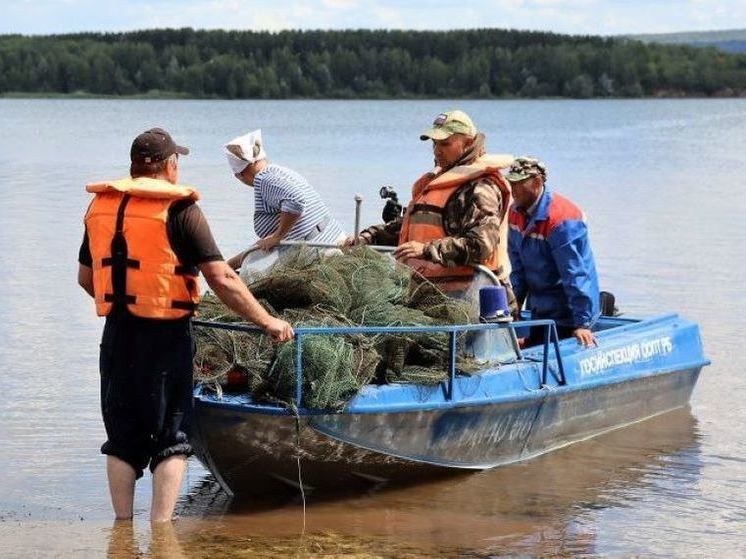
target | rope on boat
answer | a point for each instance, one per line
(294, 409)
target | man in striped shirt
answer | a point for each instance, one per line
(285, 205)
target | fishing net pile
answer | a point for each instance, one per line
(359, 287)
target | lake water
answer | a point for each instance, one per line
(663, 183)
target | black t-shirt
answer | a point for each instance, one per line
(188, 232)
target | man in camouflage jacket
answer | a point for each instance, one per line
(473, 218)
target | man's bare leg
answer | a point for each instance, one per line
(166, 484)
(121, 486)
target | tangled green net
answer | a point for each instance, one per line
(359, 287)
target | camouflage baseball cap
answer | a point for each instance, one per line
(526, 167)
(446, 124)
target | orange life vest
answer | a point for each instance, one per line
(423, 221)
(133, 261)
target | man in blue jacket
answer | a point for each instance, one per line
(550, 254)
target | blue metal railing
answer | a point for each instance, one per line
(550, 337)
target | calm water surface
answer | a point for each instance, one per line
(662, 184)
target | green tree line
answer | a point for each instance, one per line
(479, 63)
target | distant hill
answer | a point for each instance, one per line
(732, 40)
(349, 64)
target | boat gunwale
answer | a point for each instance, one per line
(540, 393)
(239, 402)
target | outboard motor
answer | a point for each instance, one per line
(393, 209)
(608, 304)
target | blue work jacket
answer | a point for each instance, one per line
(552, 262)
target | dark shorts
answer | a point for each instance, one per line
(146, 389)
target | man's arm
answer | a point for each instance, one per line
(287, 220)
(85, 278)
(234, 262)
(384, 234)
(193, 242)
(571, 253)
(231, 290)
(517, 271)
(85, 265)
(285, 195)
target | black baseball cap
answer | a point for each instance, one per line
(155, 145)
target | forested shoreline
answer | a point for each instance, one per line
(480, 63)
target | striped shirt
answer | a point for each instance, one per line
(279, 189)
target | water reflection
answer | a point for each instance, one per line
(163, 542)
(122, 541)
(545, 506)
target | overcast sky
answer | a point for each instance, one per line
(598, 17)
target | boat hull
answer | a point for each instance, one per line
(256, 453)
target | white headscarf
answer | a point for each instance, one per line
(245, 150)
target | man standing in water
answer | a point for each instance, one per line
(145, 243)
(457, 216)
(285, 205)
